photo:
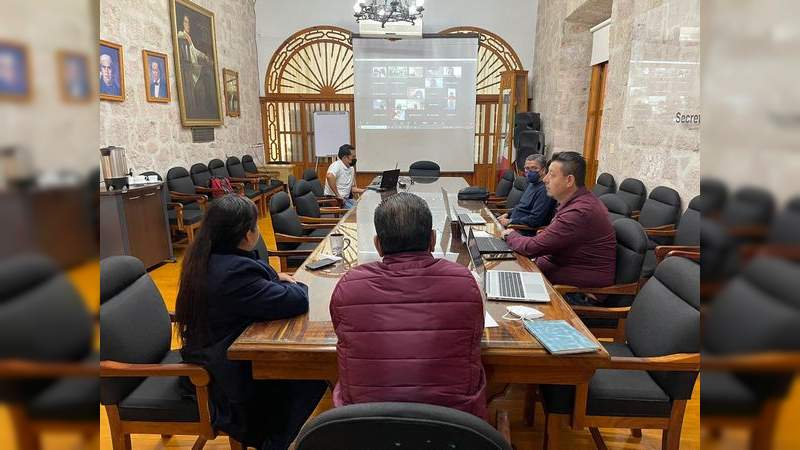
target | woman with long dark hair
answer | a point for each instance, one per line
(224, 288)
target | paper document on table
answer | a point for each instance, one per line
(481, 233)
(488, 321)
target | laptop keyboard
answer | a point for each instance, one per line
(511, 285)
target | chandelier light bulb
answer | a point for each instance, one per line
(357, 7)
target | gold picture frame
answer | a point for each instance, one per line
(81, 92)
(196, 64)
(230, 82)
(106, 91)
(148, 59)
(21, 50)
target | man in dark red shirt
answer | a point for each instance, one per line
(578, 248)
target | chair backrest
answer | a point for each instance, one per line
(617, 208)
(505, 184)
(715, 195)
(291, 180)
(398, 425)
(235, 167)
(284, 219)
(719, 255)
(515, 194)
(178, 180)
(217, 168)
(665, 319)
(633, 192)
(662, 207)
(201, 176)
(424, 169)
(605, 185)
(757, 311)
(631, 251)
(787, 222)
(249, 164)
(310, 175)
(688, 232)
(305, 202)
(150, 173)
(134, 323)
(749, 206)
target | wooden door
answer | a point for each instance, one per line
(594, 119)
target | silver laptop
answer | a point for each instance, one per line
(507, 285)
(464, 218)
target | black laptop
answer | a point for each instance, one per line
(388, 181)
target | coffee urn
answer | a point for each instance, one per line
(114, 167)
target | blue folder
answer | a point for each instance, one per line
(559, 337)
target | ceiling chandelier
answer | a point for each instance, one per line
(384, 11)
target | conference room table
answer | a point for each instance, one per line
(304, 347)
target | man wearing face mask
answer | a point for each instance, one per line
(535, 208)
(340, 179)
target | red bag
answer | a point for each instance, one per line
(220, 186)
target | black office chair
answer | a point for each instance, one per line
(400, 425)
(649, 379)
(140, 377)
(634, 193)
(291, 182)
(264, 184)
(631, 249)
(424, 169)
(617, 208)
(250, 167)
(251, 185)
(310, 176)
(686, 237)
(296, 239)
(715, 195)
(305, 202)
(605, 185)
(513, 197)
(748, 213)
(757, 312)
(661, 211)
(504, 186)
(187, 205)
(720, 257)
(48, 371)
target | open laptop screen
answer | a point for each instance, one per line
(475, 253)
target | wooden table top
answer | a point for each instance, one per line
(310, 336)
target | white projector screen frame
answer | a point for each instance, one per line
(415, 100)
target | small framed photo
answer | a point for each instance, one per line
(15, 72)
(231, 83)
(156, 76)
(112, 72)
(73, 77)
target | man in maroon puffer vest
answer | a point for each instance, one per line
(410, 326)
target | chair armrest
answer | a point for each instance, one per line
(499, 211)
(333, 210)
(317, 220)
(494, 199)
(113, 369)
(678, 362)
(178, 207)
(670, 227)
(318, 226)
(286, 253)
(662, 251)
(748, 231)
(789, 252)
(18, 368)
(756, 362)
(622, 289)
(653, 232)
(635, 214)
(279, 237)
(694, 256)
(199, 198)
(599, 312)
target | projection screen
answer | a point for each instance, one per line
(415, 100)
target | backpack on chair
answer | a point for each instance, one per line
(220, 186)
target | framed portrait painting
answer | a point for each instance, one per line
(230, 80)
(112, 72)
(194, 39)
(15, 72)
(156, 76)
(73, 77)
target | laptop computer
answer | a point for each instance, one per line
(388, 181)
(507, 285)
(464, 218)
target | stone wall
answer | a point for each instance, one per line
(152, 133)
(653, 73)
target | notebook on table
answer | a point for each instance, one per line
(559, 337)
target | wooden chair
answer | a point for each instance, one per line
(139, 375)
(648, 380)
(616, 206)
(266, 185)
(503, 187)
(251, 185)
(308, 208)
(634, 193)
(751, 349)
(310, 176)
(402, 425)
(48, 370)
(424, 169)
(295, 240)
(685, 237)
(605, 185)
(187, 206)
(511, 200)
(748, 213)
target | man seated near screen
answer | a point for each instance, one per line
(535, 207)
(340, 179)
(409, 327)
(578, 248)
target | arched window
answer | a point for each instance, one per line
(495, 56)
